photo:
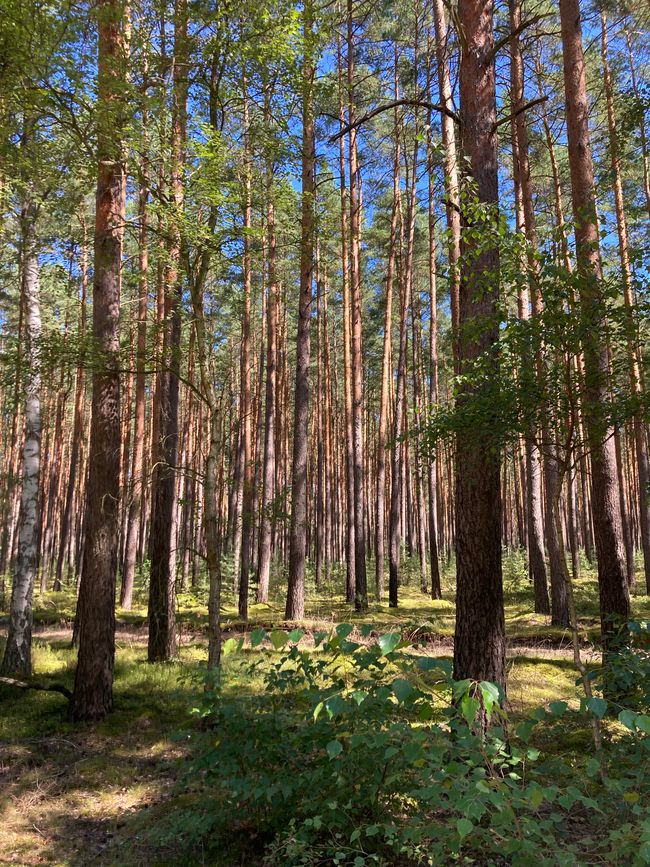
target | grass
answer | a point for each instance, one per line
(105, 794)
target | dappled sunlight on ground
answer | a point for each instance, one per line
(75, 795)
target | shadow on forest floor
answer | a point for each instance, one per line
(107, 795)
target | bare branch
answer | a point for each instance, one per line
(522, 108)
(501, 43)
(387, 106)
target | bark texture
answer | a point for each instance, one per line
(295, 607)
(479, 642)
(17, 659)
(606, 506)
(93, 686)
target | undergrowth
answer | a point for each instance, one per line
(370, 754)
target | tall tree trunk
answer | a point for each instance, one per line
(295, 607)
(360, 582)
(268, 471)
(432, 362)
(479, 642)
(432, 472)
(347, 344)
(386, 377)
(17, 659)
(137, 465)
(606, 509)
(65, 530)
(523, 185)
(245, 385)
(93, 686)
(13, 457)
(640, 443)
(211, 489)
(162, 590)
(450, 166)
(399, 455)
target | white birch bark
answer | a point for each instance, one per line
(17, 658)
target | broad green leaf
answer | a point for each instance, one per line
(334, 748)
(229, 646)
(490, 693)
(426, 711)
(344, 629)
(557, 708)
(460, 688)
(257, 637)
(469, 708)
(535, 796)
(295, 635)
(643, 723)
(278, 638)
(525, 729)
(388, 642)
(628, 718)
(402, 688)
(464, 827)
(597, 706)
(335, 705)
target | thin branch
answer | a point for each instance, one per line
(501, 43)
(387, 106)
(522, 108)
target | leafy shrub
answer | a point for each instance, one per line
(515, 569)
(626, 669)
(367, 754)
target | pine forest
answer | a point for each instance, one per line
(324, 432)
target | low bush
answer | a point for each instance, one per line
(360, 753)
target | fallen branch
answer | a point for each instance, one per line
(43, 687)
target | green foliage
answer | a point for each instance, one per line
(626, 668)
(359, 754)
(515, 569)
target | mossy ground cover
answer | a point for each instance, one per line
(107, 794)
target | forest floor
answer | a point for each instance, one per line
(106, 794)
